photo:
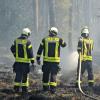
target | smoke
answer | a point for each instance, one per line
(69, 63)
(15, 16)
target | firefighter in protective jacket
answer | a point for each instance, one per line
(85, 47)
(23, 53)
(50, 46)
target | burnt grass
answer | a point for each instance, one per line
(65, 91)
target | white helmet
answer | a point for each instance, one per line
(26, 31)
(53, 31)
(85, 30)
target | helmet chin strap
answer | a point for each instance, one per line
(52, 34)
(28, 34)
(85, 35)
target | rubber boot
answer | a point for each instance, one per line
(45, 88)
(53, 89)
(24, 89)
(91, 84)
(16, 89)
(76, 85)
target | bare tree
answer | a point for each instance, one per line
(51, 4)
(70, 27)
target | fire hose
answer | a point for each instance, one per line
(79, 81)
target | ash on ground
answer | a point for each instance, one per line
(66, 89)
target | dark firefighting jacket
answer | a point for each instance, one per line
(22, 51)
(85, 46)
(50, 46)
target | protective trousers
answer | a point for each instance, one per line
(21, 80)
(49, 72)
(86, 65)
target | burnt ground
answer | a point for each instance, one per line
(66, 90)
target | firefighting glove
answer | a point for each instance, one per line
(59, 69)
(13, 68)
(38, 62)
(79, 50)
(33, 66)
(43, 68)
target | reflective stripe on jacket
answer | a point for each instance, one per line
(50, 46)
(51, 49)
(21, 51)
(86, 48)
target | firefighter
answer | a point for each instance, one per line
(85, 47)
(50, 46)
(23, 53)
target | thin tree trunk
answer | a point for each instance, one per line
(51, 4)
